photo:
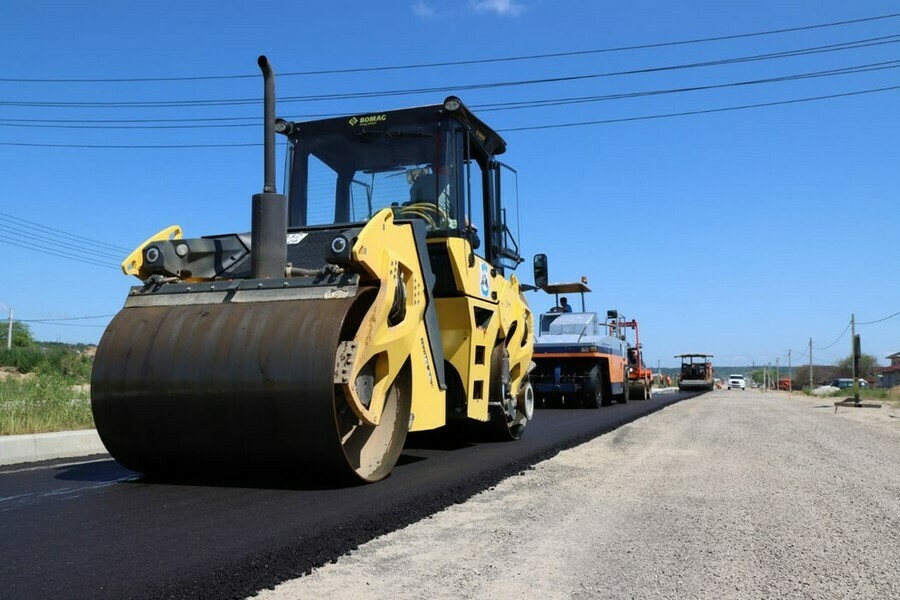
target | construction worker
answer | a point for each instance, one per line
(564, 305)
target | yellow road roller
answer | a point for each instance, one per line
(373, 298)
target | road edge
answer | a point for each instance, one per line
(27, 448)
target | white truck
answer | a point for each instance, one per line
(736, 381)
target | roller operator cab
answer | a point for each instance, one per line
(374, 298)
(697, 372)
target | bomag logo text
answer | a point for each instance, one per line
(367, 120)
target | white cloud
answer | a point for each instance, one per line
(501, 7)
(424, 11)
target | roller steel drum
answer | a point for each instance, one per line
(239, 387)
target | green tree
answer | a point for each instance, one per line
(867, 366)
(21, 335)
(759, 377)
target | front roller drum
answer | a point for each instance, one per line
(639, 390)
(240, 387)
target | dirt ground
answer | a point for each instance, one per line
(728, 495)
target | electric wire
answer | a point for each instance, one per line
(800, 354)
(50, 252)
(696, 112)
(37, 226)
(49, 319)
(62, 245)
(857, 44)
(501, 130)
(835, 341)
(492, 107)
(878, 320)
(465, 62)
(894, 64)
(68, 324)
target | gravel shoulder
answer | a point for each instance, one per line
(728, 495)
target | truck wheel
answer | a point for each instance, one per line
(592, 395)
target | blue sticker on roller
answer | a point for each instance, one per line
(485, 282)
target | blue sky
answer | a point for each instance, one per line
(743, 233)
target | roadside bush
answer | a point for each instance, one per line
(67, 363)
(25, 360)
(43, 403)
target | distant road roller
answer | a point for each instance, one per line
(696, 373)
(580, 361)
(640, 377)
(369, 300)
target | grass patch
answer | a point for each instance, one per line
(864, 394)
(889, 397)
(892, 397)
(44, 403)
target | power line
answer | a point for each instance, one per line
(535, 127)
(465, 62)
(835, 341)
(799, 354)
(698, 112)
(853, 45)
(630, 95)
(879, 320)
(62, 245)
(68, 324)
(492, 107)
(128, 146)
(49, 319)
(88, 261)
(66, 321)
(37, 226)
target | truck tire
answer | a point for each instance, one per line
(592, 395)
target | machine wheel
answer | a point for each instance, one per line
(626, 390)
(592, 396)
(372, 451)
(502, 425)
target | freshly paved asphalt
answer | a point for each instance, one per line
(92, 529)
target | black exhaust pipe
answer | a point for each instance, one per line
(268, 235)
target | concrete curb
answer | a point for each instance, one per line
(15, 449)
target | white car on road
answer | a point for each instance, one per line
(736, 382)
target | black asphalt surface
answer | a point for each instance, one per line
(92, 529)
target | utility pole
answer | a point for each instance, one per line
(777, 372)
(857, 352)
(790, 377)
(9, 331)
(810, 366)
(854, 356)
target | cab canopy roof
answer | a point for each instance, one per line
(385, 120)
(693, 356)
(566, 288)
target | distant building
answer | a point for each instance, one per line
(890, 376)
